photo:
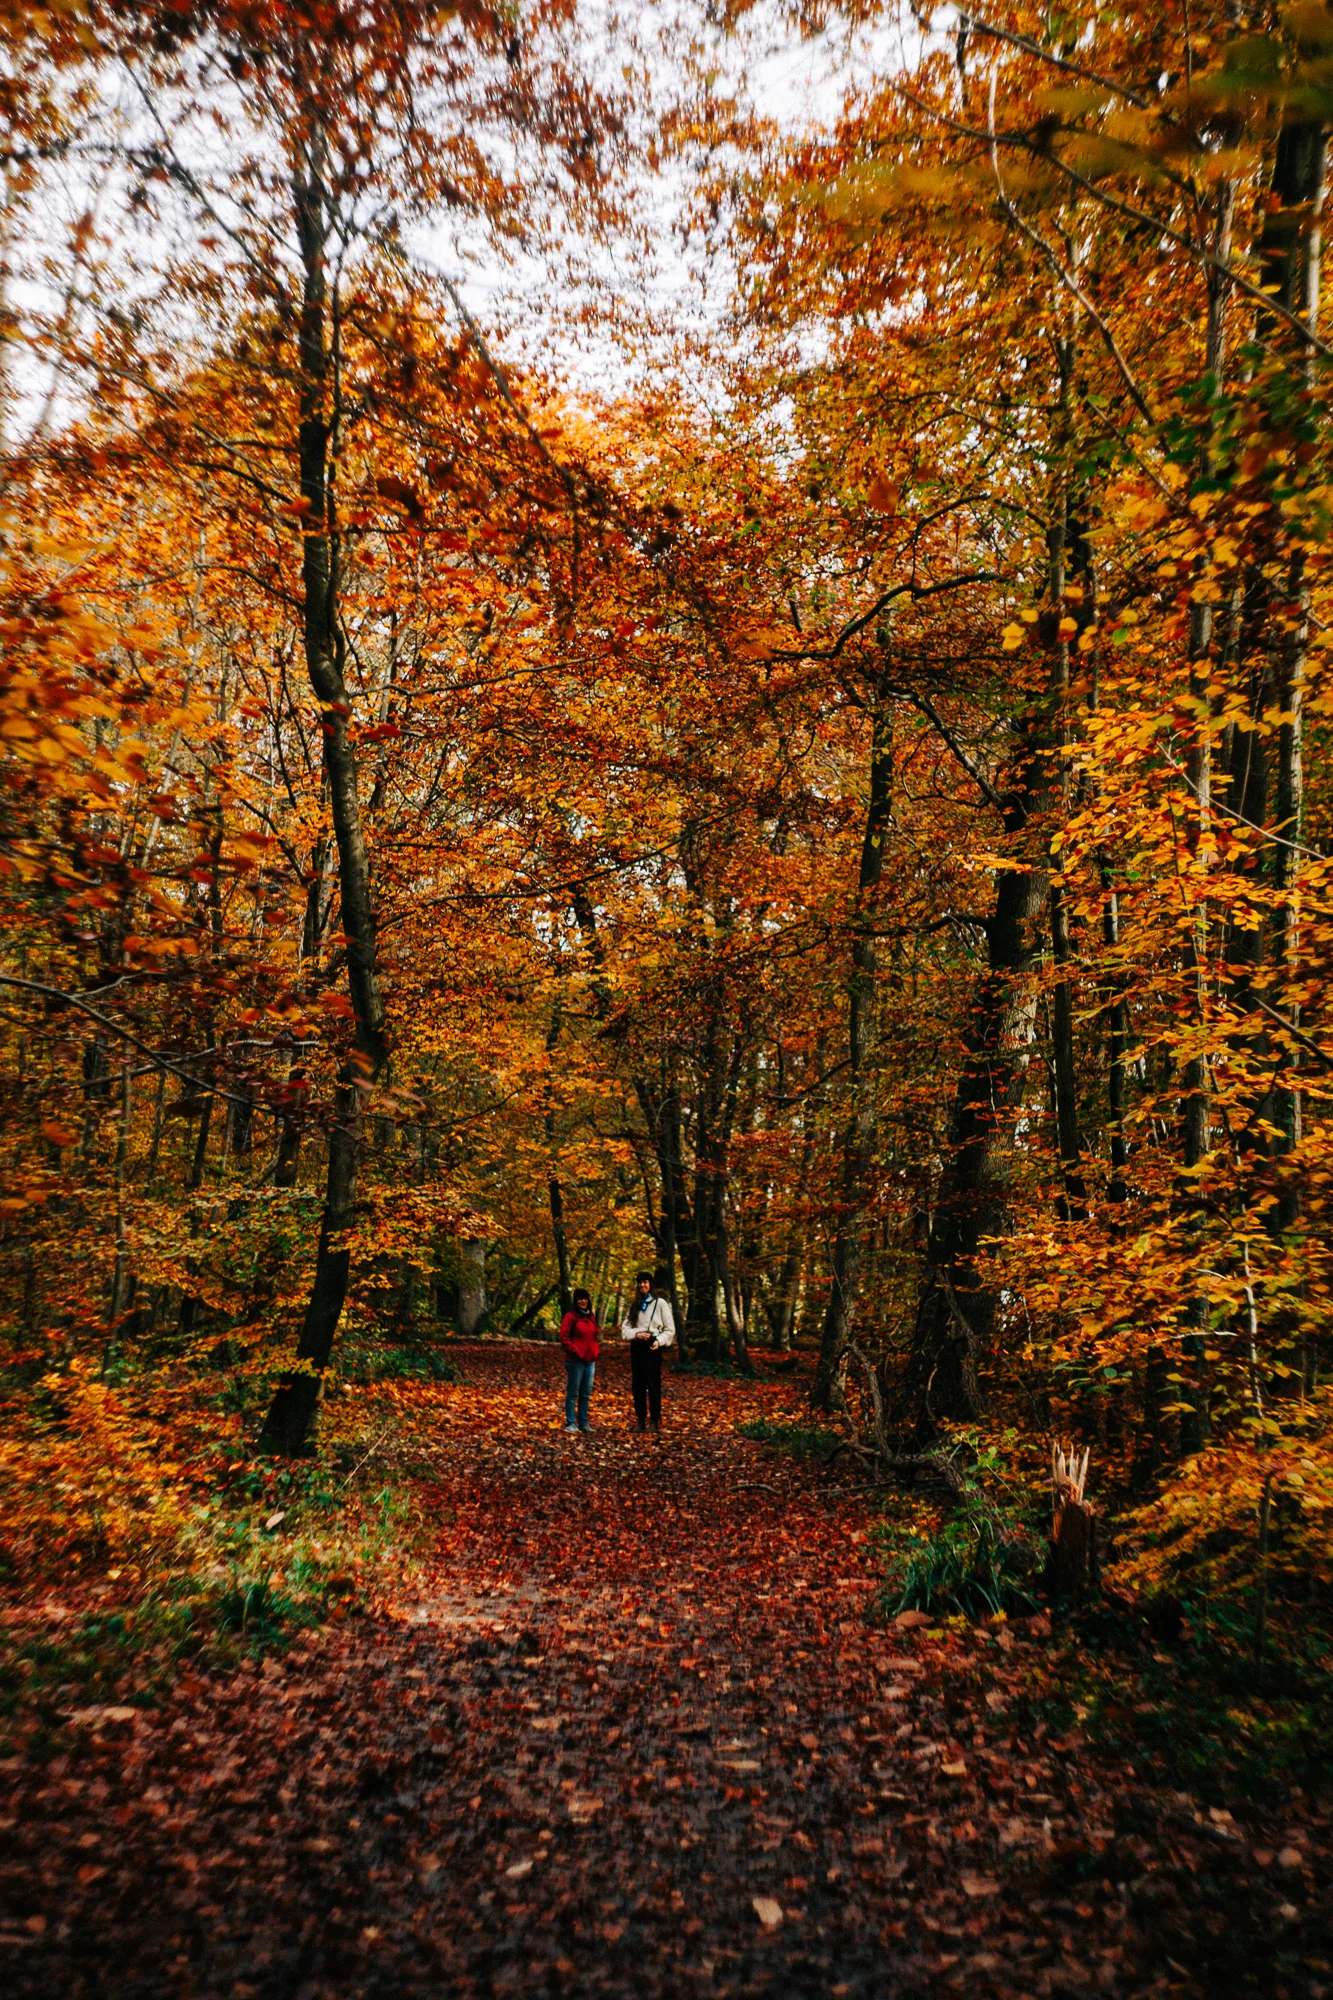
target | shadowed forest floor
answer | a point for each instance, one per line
(637, 1734)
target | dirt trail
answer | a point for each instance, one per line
(636, 1737)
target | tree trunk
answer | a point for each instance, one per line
(554, 1191)
(241, 1115)
(1075, 1199)
(122, 1283)
(1299, 182)
(292, 1411)
(736, 1331)
(1195, 1082)
(954, 1313)
(1117, 1043)
(782, 1303)
(199, 1158)
(1073, 1573)
(700, 1253)
(858, 1139)
(472, 1288)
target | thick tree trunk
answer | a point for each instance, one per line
(954, 1312)
(292, 1411)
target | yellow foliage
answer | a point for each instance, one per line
(1204, 1523)
(81, 1479)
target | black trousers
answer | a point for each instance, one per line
(645, 1371)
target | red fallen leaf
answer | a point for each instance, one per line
(979, 1885)
(911, 1621)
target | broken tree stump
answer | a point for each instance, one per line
(1073, 1571)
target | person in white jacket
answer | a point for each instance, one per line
(649, 1326)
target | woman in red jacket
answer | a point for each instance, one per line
(579, 1338)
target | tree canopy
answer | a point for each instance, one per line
(823, 796)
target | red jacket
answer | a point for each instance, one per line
(578, 1337)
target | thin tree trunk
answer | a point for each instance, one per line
(1074, 1200)
(1195, 1082)
(199, 1157)
(782, 1307)
(858, 1139)
(1306, 173)
(736, 1330)
(1075, 1197)
(121, 1283)
(1117, 1044)
(293, 1408)
(155, 1144)
(555, 1193)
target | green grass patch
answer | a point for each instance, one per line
(369, 1361)
(804, 1441)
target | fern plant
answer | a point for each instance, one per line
(982, 1561)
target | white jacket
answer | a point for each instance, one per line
(657, 1320)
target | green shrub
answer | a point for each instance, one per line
(263, 1614)
(983, 1560)
(368, 1361)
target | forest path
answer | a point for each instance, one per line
(637, 1737)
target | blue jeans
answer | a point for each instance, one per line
(578, 1388)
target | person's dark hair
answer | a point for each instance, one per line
(587, 1301)
(639, 1277)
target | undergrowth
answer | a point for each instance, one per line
(804, 1441)
(369, 1361)
(713, 1368)
(981, 1560)
(1192, 1717)
(269, 1554)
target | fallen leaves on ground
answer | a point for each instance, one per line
(635, 1731)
